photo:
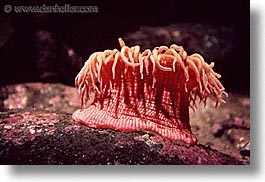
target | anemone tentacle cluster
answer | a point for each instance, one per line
(128, 90)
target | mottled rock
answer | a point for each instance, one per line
(49, 97)
(38, 137)
(41, 131)
(225, 128)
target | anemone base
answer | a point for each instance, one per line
(96, 118)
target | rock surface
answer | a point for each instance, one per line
(36, 128)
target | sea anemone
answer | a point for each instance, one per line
(129, 90)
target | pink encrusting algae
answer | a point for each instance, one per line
(128, 90)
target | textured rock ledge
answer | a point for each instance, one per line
(36, 128)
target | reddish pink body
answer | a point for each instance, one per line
(152, 91)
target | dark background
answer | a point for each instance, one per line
(86, 33)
